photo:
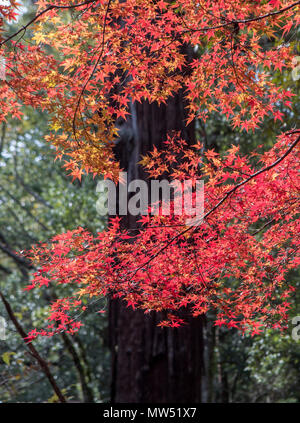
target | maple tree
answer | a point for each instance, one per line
(85, 65)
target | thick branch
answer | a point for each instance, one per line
(9, 251)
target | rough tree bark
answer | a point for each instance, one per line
(151, 364)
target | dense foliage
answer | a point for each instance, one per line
(85, 65)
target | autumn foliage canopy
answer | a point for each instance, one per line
(85, 64)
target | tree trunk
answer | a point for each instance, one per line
(149, 363)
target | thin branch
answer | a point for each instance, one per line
(94, 68)
(5, 269)
(27, 188)
(87, 393)
(53, 6)
(4, 246)
(24, 208)
(21, 225)
(226, 196)
(42, 363)
(267, 15)
(245, 21)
